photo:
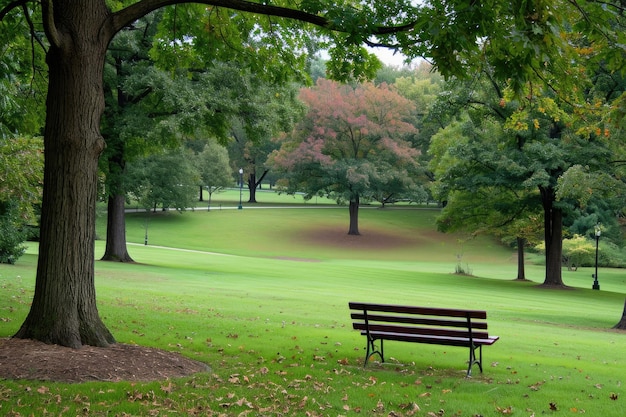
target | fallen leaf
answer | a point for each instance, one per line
(380, 406)
(243, 402)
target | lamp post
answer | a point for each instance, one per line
(240, 187)
(596, 285)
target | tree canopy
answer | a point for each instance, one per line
(351, 145)
(510, 155)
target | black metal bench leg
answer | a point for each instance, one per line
(473, 360)
(371, 351)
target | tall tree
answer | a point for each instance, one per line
(268, 108)
(167, 179)
(350, 146)
(519, 149)
(214, 168)
(149, 107)
(517, 38)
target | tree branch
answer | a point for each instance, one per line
(47, 9)
(12, 5)
(33, 33)
(143, 7)
(133, 12)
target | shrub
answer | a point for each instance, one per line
(12, 233)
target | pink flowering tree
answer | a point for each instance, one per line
(353, 143)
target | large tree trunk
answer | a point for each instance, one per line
(553, 224)
(354, 216)
(521, 271)
(116, 249)
(63, 309)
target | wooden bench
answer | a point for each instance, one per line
(439, 326)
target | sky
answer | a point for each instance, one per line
(387, 56)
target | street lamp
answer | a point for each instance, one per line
(596, 285)
(240, 187)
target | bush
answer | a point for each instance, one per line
(12, 233)
(580, 251)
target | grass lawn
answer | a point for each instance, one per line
(261, 296)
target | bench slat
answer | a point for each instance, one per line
(418, 320)
(431, 331)
(474, 314)
(435, 340)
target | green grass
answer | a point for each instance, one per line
(265, 306)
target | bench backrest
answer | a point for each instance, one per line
(442, 322)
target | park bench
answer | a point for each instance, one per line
(440, 326)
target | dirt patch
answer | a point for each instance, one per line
(29, 359)
(370, 239)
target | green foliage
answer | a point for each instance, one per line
(521, 149)
(578, 251)
(21, 173)
(22, 78)
(21, 177)
(261, 110)
(213, 166)
(13, 233)
(194, 36)
(168, 180)
(581, 184)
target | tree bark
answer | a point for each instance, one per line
(63, 310)
(252, 187)
(116, 249)
(521, 271)
(622, 323)
(354, 216)
(553, 229)
(253, 184)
